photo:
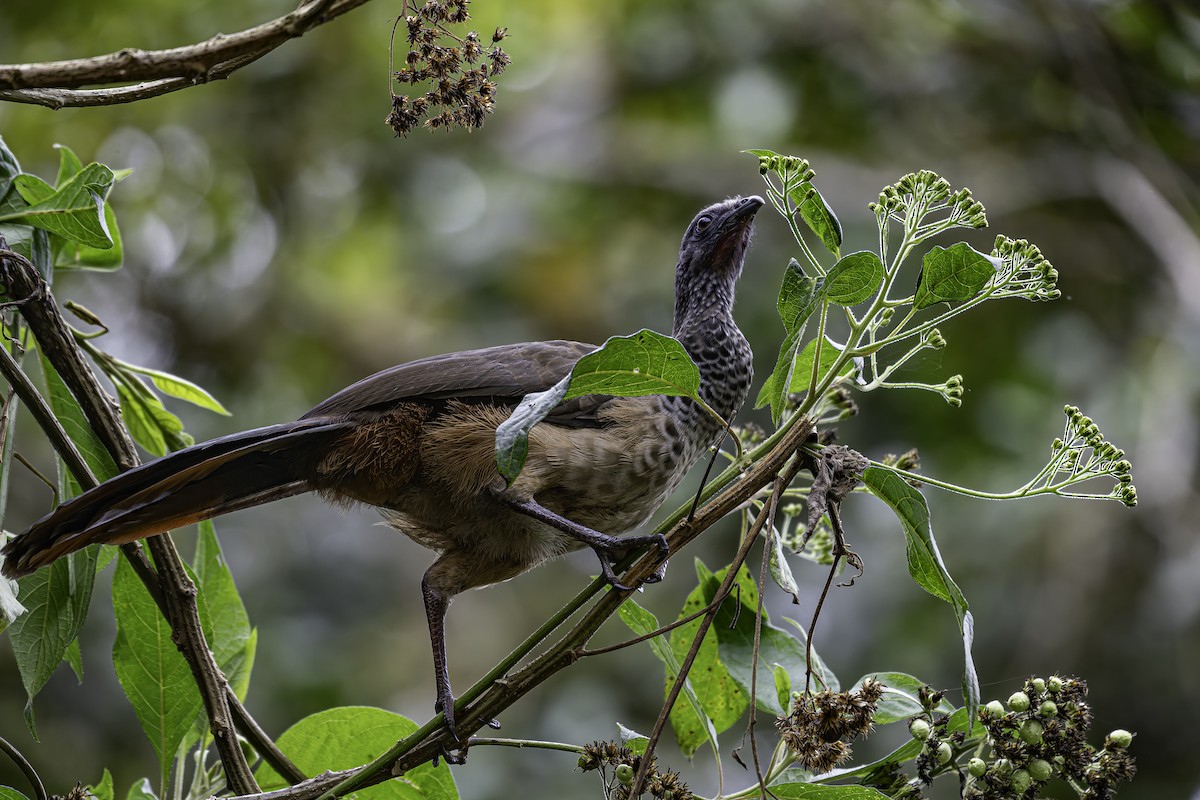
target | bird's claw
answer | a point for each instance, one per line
(626, 545)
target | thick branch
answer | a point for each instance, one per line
(55, 84)
(170, 587)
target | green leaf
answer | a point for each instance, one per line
(9, 167)
(803, 369)
(138, 417)
(58, 596)
(69, 164)
(952, 275)
(512, 435)
(781, 571)
(625, 366)
(8, 793)
(817, 791)
(33, 243)
(179, 388)
(825, 676)
(735, 637)
(900, 697)
(631, 366)
(104, 789)
(905, 752)
(721, 700)
(150, 668)
(636, 742)
(799, 297)
(925, 563)
(141, 790)
(642, 623)
(74, 211)
(73, 255)
(350, 736)
(229, 633)
(818, 216)
(783, 686)
(854, 279)
(762, 153)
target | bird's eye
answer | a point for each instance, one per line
(703, 223)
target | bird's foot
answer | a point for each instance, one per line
(458, 754)
(612, 548)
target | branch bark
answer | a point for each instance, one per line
(56, 84)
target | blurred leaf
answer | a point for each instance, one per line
(642, 623)
(925, 563)
(854, 279)
(141, 790)
(8, 793)
(762, 153)
(150, 668)
(721, 699)
(350, 736)
(104, 789)
(952, 275)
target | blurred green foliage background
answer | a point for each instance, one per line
(281, 244)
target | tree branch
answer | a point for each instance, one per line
(170, 587)
(56, 84)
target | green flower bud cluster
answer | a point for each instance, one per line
(933, 339)
(1082, 437)
(1039, 734)
(921, 193)
(1023, 271)
(952, 390)
(793, 170)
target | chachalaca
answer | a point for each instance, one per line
(417, 441)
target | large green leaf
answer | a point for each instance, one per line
(350, 736)
(58, 596)
(625, 366)
(952, 274)
(854, 279)
(150, 668)
(819, 217)
(722, 700)
(72, 255)
(229, 634)
(642, 622)
(74, 211)
(925, 563)
(179, 388)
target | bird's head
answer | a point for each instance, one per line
(711, 255)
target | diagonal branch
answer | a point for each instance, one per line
(57, 84)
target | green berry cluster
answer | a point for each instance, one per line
(1042, 734)
(664, 785)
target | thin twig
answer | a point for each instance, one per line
(37, 473)
(679, 623)
(55, 84)
(26, 768)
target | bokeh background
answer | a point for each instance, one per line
(281, 244)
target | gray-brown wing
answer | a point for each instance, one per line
(503, 374)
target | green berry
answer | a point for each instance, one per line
(1054, 684)
(1119, 738)
(1021, 781)
(1048, 709)
(1031, 732)
(1038, 685)
(977, 767)
(625, 774)
(1019, 701)
(919, 729)
(1040, 770)
(944, 753)
(994, 708)
(1003, 767)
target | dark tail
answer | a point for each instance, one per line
(203, 481)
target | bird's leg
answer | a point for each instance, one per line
(606, 547)
(436, 603)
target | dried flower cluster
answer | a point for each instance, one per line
(664, 785)
(820, 726)
(457, 70)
